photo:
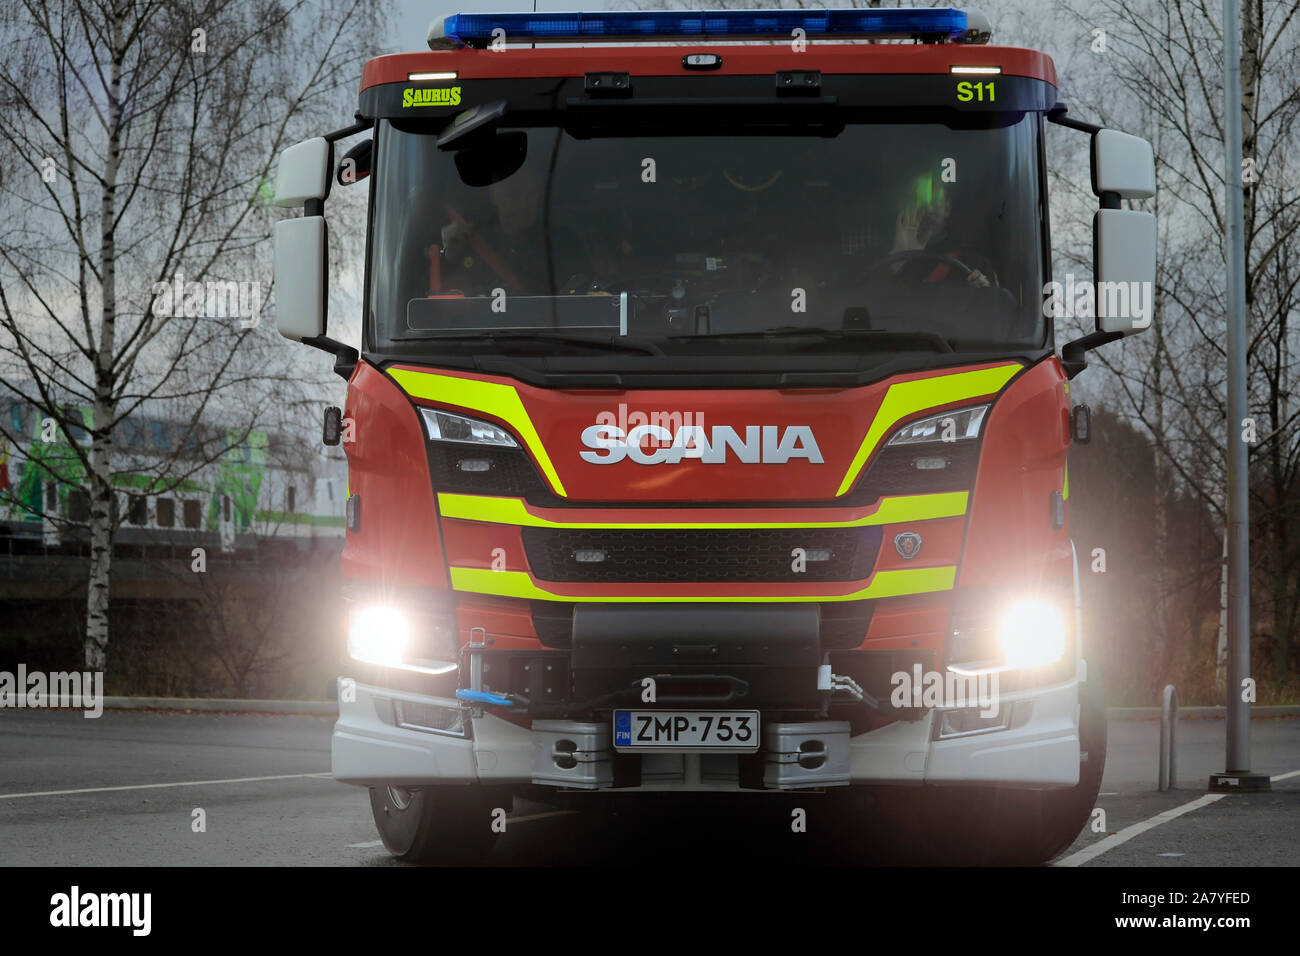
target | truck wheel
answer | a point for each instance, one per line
(1028, 827)
(447, 826)
(1066, 812)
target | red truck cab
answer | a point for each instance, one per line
(708, 427)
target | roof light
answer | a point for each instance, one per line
(476, 29)
(975, 69)
(701, 61)
(420, 77)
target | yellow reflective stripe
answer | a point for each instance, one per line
(1065, 492)
(907, 398)
(518, 584)
(500, 401)
(515, 512)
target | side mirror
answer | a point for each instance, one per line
(1124, 264)
(303, 173)
(300, 277)
(1124, 240)
(1122, 164)
(301, 246)
(355, 164)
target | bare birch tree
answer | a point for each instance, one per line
(140, 137)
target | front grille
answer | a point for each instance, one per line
(843, 623)
(703, 555)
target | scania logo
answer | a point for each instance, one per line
(907, 544)
(653, 444)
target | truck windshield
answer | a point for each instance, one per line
(534, 240)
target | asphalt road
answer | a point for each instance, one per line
(123, 790)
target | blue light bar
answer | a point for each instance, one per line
(475, 29)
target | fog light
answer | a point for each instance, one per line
(1032, 634)
(970, 720)
(429, 718)
(378, 635)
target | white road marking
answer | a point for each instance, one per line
(1128, 833)
(1109, 793)
(368, 845)
(155, 786)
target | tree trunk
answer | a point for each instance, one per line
(101, 483)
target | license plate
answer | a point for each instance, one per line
(649, 730)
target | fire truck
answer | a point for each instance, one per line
(708, 431)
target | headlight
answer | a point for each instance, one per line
(1028, 639)
(446, 426)
(1032, 634)
(407, 638)
(965, 424)
(378, 635)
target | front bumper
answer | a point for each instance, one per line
(1038, 748)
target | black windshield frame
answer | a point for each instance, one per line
(572, 366)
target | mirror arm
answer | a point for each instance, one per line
(361, 124)
(345, 356)
(1072, 353)
(1057, 115)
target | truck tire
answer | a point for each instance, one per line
(1066, 812)
(441, 826)
(1027, 827)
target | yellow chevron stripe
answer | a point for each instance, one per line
(907, 398)
(518, 584)
(501, 401)
(514, 511)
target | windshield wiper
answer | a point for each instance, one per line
(620, 343)
(887, 338)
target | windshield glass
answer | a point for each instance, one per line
(533, 240)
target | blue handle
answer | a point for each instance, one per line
(484, 697)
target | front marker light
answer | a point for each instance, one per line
(945, 427)
(1032, 634)
(378, 634)
(447, 426)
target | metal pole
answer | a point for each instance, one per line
(1237, 775)
(1167, 775)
